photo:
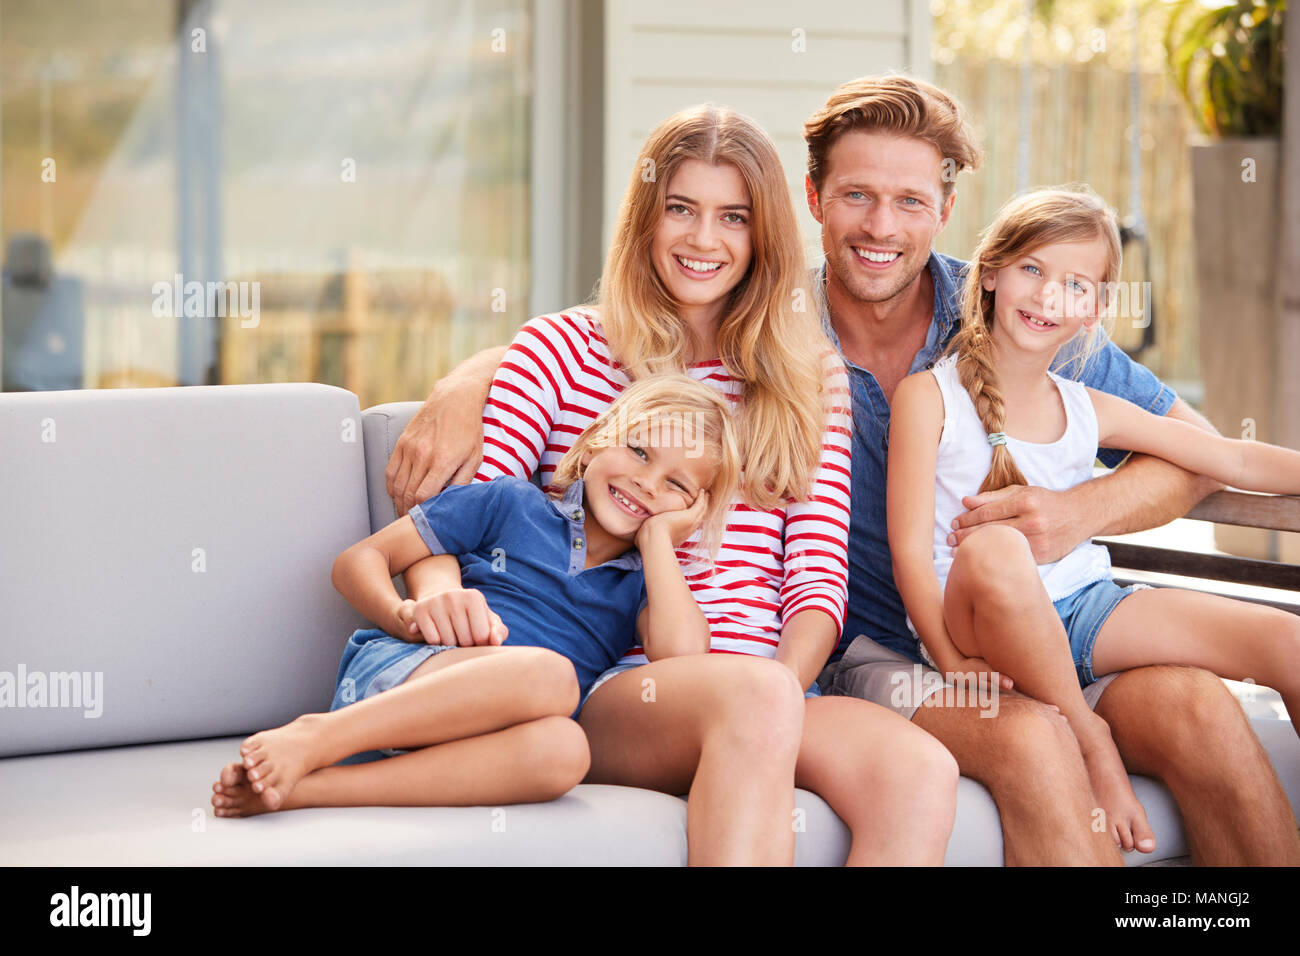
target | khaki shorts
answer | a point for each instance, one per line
(871, 672)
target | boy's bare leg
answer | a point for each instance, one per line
(529, 762)
(455, 694)
(1182, 726)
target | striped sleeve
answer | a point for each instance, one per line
(816, 567)
(524, 400)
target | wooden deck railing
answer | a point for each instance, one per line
(1272, 512)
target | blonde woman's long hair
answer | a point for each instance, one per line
(1072, 213)
(768, 338)
(669, 407)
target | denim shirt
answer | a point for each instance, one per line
(875, 607)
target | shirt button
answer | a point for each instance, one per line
(577, 544)
(577, 515)
(929, 365)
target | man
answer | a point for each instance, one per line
(882, 198)
(883, 157)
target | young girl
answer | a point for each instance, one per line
(477, 683)
(992, 414)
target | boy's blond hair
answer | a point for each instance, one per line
(669, 404)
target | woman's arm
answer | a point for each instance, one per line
(442, 442)
(816, 541)
(916, 424)
(1249, 465)
(807, 640)
(520, 408)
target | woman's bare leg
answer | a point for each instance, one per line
(724, 727)
(893, 784)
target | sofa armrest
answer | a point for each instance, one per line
(381, 426)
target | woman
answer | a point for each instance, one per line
(704, 275)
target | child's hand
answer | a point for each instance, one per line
(680, 525)
(456, 617)
(979, 667)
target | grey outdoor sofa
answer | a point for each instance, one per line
(173, 547)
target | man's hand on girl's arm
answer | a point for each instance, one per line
(443, 442)
(1145, 492)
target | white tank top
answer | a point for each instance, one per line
(965, 455)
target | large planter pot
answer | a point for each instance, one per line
(1235, 201)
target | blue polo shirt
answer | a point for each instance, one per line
(526, 552)
(875, 607)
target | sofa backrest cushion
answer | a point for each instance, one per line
(165, 560)
(384, 424)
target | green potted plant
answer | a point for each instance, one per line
(1228, 64)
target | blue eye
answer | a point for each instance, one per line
(637, 450)
(1035, 269)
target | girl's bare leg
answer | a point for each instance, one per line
(1234, 639)
(463, 692)
(893, 784)
(724, 727)
(530, 762)
(1035, 652)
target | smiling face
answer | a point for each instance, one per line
(881, 206)
(657, 470)
(1045, 296)
(703, 244)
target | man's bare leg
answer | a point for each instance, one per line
(1030, 761)
(1182, 726)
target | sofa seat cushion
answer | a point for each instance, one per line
(149, 806)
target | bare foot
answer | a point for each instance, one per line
(232, 796)
(1125, 817)
(275, 760)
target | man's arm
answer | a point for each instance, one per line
(1145, 492)
(443, 442)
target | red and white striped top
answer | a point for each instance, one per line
(557, 377)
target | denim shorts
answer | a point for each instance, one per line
(1083, 612)
(813, 691)
(373, 662)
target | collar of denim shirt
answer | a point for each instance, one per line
(947, 274)
(569, 506)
